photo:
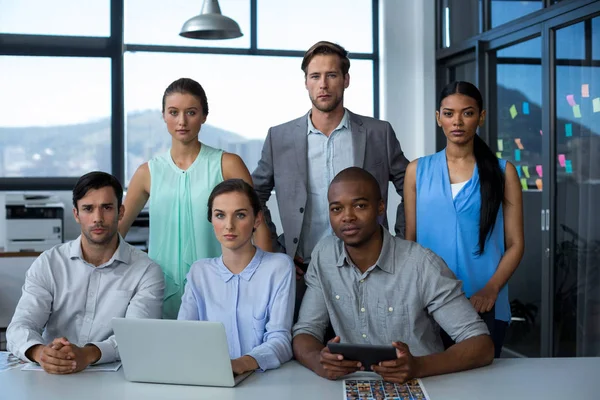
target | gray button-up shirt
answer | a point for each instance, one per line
(64, 295)
(327, 155)
(400, 298)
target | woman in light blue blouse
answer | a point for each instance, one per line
(250, 291)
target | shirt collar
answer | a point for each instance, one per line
(121, 254)
(385, 261)
(343, 123)
(247, 273)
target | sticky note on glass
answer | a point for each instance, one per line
(524, 184)
(596, 104)
(525, 108)
(585, 90)
(500, 145)
(526, 171)
(498, 154)
(569, 166)
(561, 160)
(576, 111)
(571, 100)
(538, 183)
(518, 167)
(569, 129)
(541, 133)
(517, 155)
(519, 144)
(513, 111)
(538, 169)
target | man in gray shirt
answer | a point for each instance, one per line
(380, 289)
(72, 291)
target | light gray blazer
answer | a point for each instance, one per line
(283, 166)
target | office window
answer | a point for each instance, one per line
(528, 49)
(460, 20)
(504, 11)
(56, 123)
(298, 25)
(57, 17)
(243, 102)
(158, 22)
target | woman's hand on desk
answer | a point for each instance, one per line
(400, 370)
(243, 364)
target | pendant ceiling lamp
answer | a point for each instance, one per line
(210, 24)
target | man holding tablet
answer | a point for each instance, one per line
(377, 289)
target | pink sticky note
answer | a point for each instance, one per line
(562, 160)
(585, 90)
(538, 169)
(571, 100)
(541, 133)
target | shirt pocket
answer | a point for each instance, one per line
(394, 319)
(115, 306)
(344, 309)
(259, 327)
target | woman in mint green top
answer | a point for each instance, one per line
(178, 184)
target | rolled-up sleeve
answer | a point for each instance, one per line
(445, 300)
(277, 346)
(313, 317)
(33, 310)
(145, 303)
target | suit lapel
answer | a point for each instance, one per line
(359, 139)
(301, 144)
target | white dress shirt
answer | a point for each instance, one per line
(64, 295)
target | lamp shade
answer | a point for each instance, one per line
(210, 24)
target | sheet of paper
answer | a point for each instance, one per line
(513, 111)
(108, 367)
(569, 166)
(519, 144)
(526, 171)
(538, 183)
(585, 90)
(539, 170)
(576, 111)
(561, 160)
(571, 100)
(568, 130)
(518, 168)
(524, 184)
(498, 154)
(500, 145)
(541, 133)
(9, 361)
(517, 155)
(525, 108)
(596, 104)
(368, 389)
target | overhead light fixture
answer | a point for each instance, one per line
(210, 24)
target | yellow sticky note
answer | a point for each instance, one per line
(526, 171)
(585, 90)
(524, 184)
(500, 145)
(513, 111)
(576, 111)
(498, 154)
(596, 104)
(538, 183)
(519, 144)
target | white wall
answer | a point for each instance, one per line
(407, 71)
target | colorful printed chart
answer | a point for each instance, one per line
(377, 389)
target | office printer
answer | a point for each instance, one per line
(34, 221)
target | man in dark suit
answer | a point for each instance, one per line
(301, 157)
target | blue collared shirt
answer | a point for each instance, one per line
(326, 157)
(256, 306)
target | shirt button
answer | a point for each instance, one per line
(301, 210)
(362, 280)
(337, 296)
(364, 335)
(391, 309)
(91, 294)
(295, 240)
(362, 309)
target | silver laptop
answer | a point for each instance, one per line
(178, 352)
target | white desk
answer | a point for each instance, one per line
(547, 379)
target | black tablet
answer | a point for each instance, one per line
(367, 354)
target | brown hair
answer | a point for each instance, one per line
(324, 47)
(187, 86)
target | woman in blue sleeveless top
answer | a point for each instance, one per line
(466, 205)
(178, 184)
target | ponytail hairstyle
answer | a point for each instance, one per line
(491, 176)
